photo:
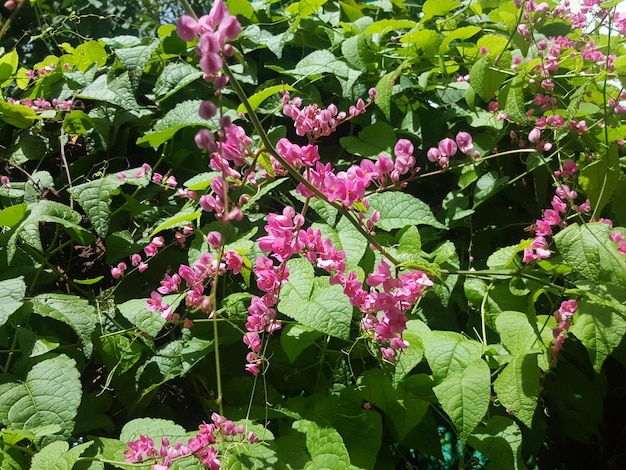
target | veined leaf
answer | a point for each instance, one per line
(314, 302)
(72, 310)
(118, 92)
(501, 442)
(12, 292)
(50, 395)
(587, 250)
(326, 448)
(397, 210)
(517, 387)
(260, 96)
(464, 395)
(95, 196)
(175, 76)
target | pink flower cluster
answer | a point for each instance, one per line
(563, 316)
(203, 445)
(448, 148)
(385, 303)
(214, 29)
(347, 187)
(315, 122)
(41, 104)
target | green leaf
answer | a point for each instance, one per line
(486, 186)
(397, 210)
(12, 292)
(464, 395)
(89, 53)
(72, 310)
(8, 67)
(134, 59)
(136, 311)
(464, 32)
(587, 250)
(77, 122)
(58, 456)
(326, 448)
(517, 334)
(372, 140)
(184, 114)
(154, 428)
(180, 219)
(345, 237)
(484, 80)
(47, 211)
(17, 115)
(515, 103)
(501, 442)
(517, 387)
(433, 8)
(296, 338)
(174, 359)
(50, 394)
(599, 179)
(448, 352)
(175, 76)
(117, 92)
(305, 8)
(259, 97)
(314, 302)
(402, 407)
(95, 197)
(411, 356)
(600, 321)
(384, 91)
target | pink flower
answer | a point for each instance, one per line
(447, 147)
(464, 141)
(118, 271)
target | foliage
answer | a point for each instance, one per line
(323, 234)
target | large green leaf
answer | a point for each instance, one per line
(464, 395)
(397, 210)
(600, 321)
(47, 211)
(95, 196)
(517, 387)
(134, 59)
(384, 91)
(345, 237)
(448, 352)
(72, 310)
(599, 178)
(517, 334)
(588, 251)
(175, 76)
(296, 338)
(50, 394)
(314, 302)
(404, 408)
(484, 80)
(17, 115)
(12, 292)
(501, 442)
(136, 311)
(411, 356)
(174, 359)
(372, 140)
(184, 114)
(118, 91)
(58, 456)
(326, 448)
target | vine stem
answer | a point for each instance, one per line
(294, 173)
